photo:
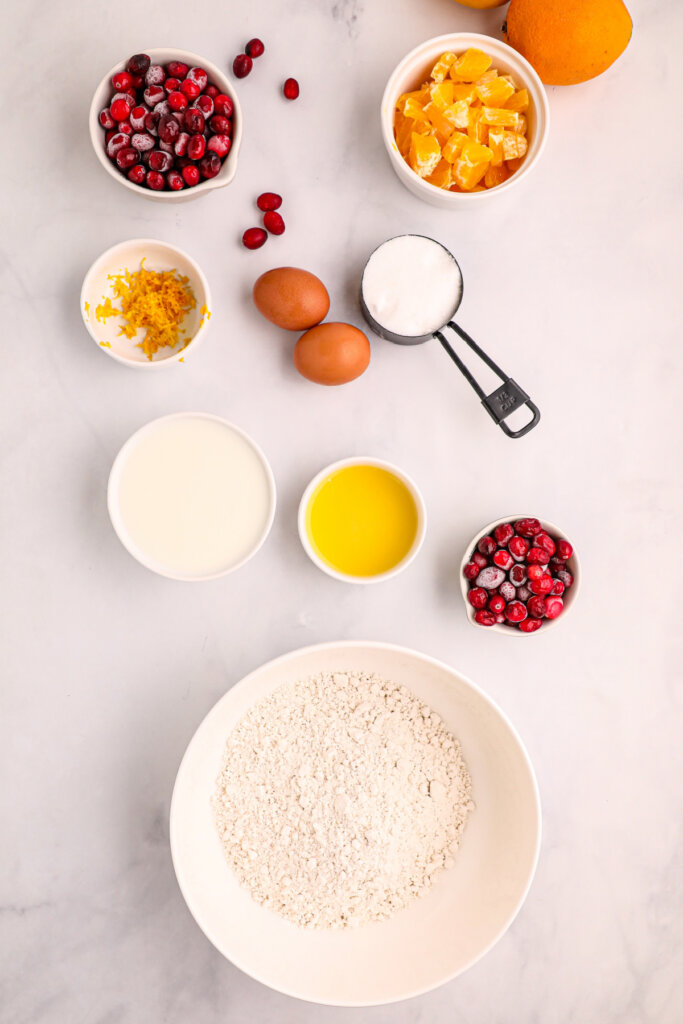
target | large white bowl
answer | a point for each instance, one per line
(438, 936)
(414, 70)
(161, 56)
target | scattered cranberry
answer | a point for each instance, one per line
(155, 75)
(536, 606)
(122, 80)
(496, 603)
(223, 105)
(105, 118)
(120, 109)
(480, 560)
(486, 545)
(175, 181)
(518, 548)
(564, 550)
(527, 527)
(269, 201)
(515, 611)
(137, 174)
(291, 89)
(518, 574)
(194, 121)
(530, 625)
(138, 64)
(253, 238)
(490, 578)
(205, 104)
(553, 607)
(191, 175)
(209, 165)
(196, 147)
(503, 533)
(485, 618)
(177, 69)
(177, 100)
(273, 222)
(471, 570)
(220, 144)
(241, 66)
(507, 591)
(254, 48)
(503, 559)
(155, 181)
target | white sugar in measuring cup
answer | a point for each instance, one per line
(410, 291)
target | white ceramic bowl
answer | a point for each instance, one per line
(437, 937)
(362, 461)
(157, 256)
(414, 70)
(117, 521)
(569, 597)
(160, 56)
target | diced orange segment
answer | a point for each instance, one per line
(464, 91)
(413, 108)
(417, 96)
(441, 95)
(441, 120)
(518, 101)
(460, 114)
(424, 155)
(499, 116)
(496, 176)
(495, 144)
(476, 129)
(521, 125)
(495, 93)
(470, 66)
(442, 66)
(471, 166)
(441, 175)
(514, 145)
(454, 146)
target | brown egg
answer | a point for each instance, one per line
(291, 298)
(332, 353)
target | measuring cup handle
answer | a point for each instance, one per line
(502, 402)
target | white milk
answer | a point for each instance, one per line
(193, 496)
(412, 285)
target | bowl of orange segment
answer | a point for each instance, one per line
(463, 116)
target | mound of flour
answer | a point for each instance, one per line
(340, 799)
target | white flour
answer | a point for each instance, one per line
(340, 799)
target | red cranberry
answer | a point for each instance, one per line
(191, 175)
(105, 118)
(137, 117)
(190, 89)
(273, 222)
(142, 142)
(209, 165)
(537, 555)
(155, 180)
(254, 48)
(175, 181)
(536, 606)
(126, 157)
(205, 104)
(555, 565)
(486, 545)
(484, 618)
(500, 619)
(503, 533)
(490, 578)
(124, 127)
(241, 66)
(269, 201)
(171, 84)
(138, 64)
(122, 81)
(496, 603)
(518, 575)
(151, 123)
(155, 75)
(160, 161)
(564, 549)
(194, 121)
(507, 591)
(558, 589)
(169, 129)
(177, 69)
(553, 607)
(180, 144)
(477, 597)
(480, 560)
(291, 89)
(536, 571)
(530, 625)
(566, 578)
(177, 100)
(515, 611)
(223, 105)
(163, 110)
(523, 593)
(212, 91)
(199, 77)
(542, 586)
(518, 548)
(503, 559)
(137, 174)
(120, 109)
(107, 136)
(153, 94)
(545, 541)
(166, 146)
(527, 527)
(196, 147)
(137, 82)
(470, 571)
(253, 238)
(116, 142)
(220, 144)
(220, 125)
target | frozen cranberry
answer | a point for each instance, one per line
(191, 175)
(153, 94)
(530, 625)
(479, 559)
(163, 110)
(170, 85)
(220, 125)
(558, 589)
(223, 105)
(199, 77)
(137, 82)
(527, 527)
(254, 48)
(542, 586)
(205, 104)
(120, 109)
(138, 64)
(503, 533)
(167, 147)
(536, 571)
(537, 555)
(124, 127)
(151, 123)
(564, 549)
(122, 81)
(496, 603)
(518, 575)
(555, 565)
(490, 578)
(116, 142)
(553, 607)
(142, 142)
(160, 161)
(484, 618)
(155, 75)
(507, 591)
(486, 545)
(220, 144)
(545, 541)
(269, 201)
(196, 147)
(177, 69)
(209, 165)
(273, 222)
(518, 548)
(523, 593)
(503, 559)
(126, 157)
(105, 118)
(169, 129)
(175, 181)
(477, 597)
(470, 571)
(291, 89)
(536, 606)
(155, 180)
(137, 174)
(515, 611)
(566, 578)
(190, 89)
(180, 144)
(242, 65)
(212, 91)
(137, 117)
(194, 121)
(107, 136)
(253, 238)
(177, 100)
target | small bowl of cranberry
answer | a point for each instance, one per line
(167, 124)
(519, 575)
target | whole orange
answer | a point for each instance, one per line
(568, 41)
(481, 4)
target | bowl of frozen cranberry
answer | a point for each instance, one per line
(167, 125)
(519, 575)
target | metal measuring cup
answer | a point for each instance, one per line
(502, 402)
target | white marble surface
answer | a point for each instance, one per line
(107, 669)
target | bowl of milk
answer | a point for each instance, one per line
(191, 496)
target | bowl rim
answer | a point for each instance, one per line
(415, 57)
(244, 683)
(116, 519)
(550, 527)
(173, 358)
(229, 166)
(363, 460)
